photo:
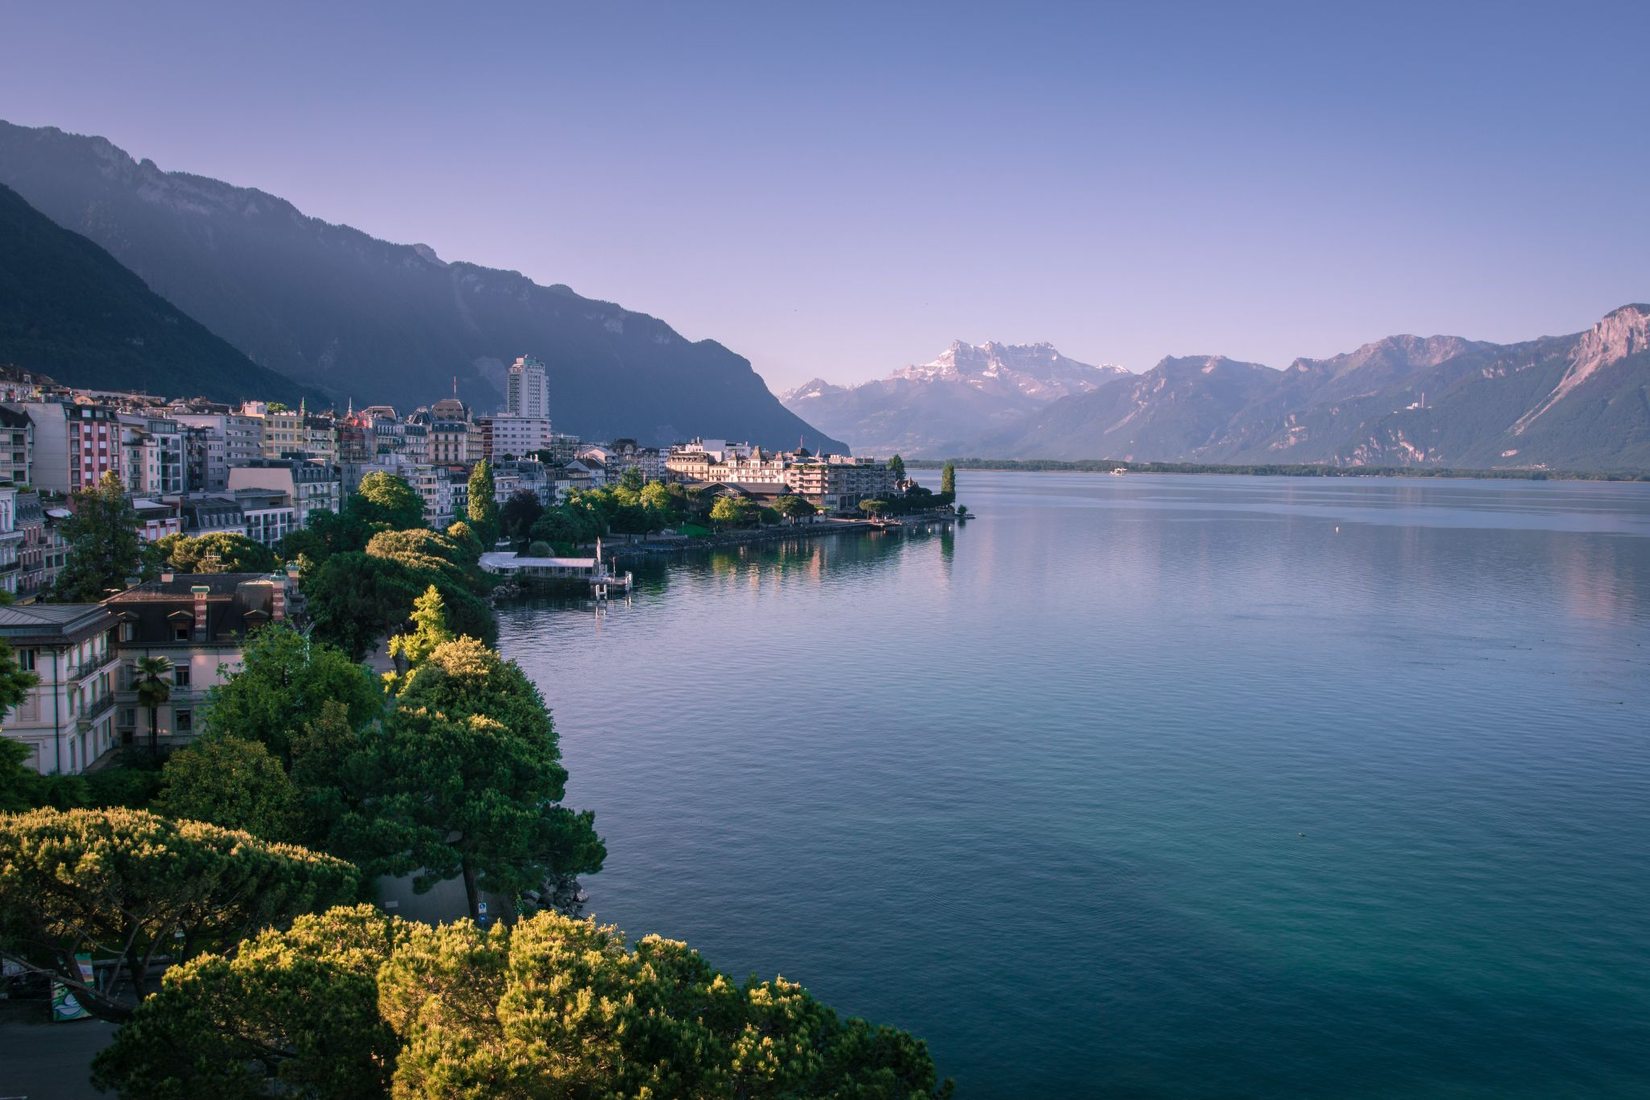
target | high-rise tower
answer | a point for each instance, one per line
(529, 389)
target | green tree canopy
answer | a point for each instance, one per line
(429, 629)
(284, 682)
(462, 780)
(353, 1004)
(948, 478)
(468, 797)
(519, 513)
(896, 466)
(560, 1007)
(356, 599)
(792, 506)
(233, 782)
(482, 506)
(119, 883)
(104, 549)
(291, 1013)
(632, 479)
(730, 511)
(387, 501)
(215, 552)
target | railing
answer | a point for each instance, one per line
(96, 710)
(96, 664)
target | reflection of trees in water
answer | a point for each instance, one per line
(804, 557)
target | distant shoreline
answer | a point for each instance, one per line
(1106, 466)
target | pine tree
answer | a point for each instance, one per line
(104, 549)
(948, 478)
(483, 507)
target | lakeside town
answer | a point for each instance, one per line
(193, 471)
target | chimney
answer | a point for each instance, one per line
(200, 591)
(277, 609)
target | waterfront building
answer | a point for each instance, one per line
(66, 720)
(198, 622)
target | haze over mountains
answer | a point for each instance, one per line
(69, 310)
(1568, 402)
(966, 392)
(332, 308)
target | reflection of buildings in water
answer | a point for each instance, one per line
(1594, 582)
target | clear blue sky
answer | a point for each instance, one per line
(841, 189)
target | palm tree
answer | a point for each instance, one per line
(154, 688)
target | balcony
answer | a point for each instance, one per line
(87, 718)
(93, 666)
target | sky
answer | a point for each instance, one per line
(838, 190)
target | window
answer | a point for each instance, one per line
(180, 676)
(180, 631)
(183, 721)
(128, 632)
(25, 660)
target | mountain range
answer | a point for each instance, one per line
(70, 311)
(333, 309)
(1567, 402)
(970, 390)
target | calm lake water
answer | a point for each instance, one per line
(1155, 786)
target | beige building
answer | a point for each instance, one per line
(66, 720)
(199, 623)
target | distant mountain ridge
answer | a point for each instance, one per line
(1576, 402)
(332, 307)
(1573, 402)
(923, 408)
(70, 311)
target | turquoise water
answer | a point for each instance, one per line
(1156, 786)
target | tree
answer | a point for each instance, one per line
(730, 511)
(355, 599)
(233, 782)
(387, 500)
(948, 478)
(429, 629)
(463, 780)
(17, 782)
(560, 1007)
(215, 552)
(519, 513)
(896, 466)
(632, 479)
(792, 506)
(285, 681)
(154, 688)
(482, 508)
(104, 549)
(121, 883)
(873, 508)
(291, 1013)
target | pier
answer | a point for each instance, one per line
(527, 573)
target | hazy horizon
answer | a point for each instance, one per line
(842, 193)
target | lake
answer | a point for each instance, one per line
(1156, 786)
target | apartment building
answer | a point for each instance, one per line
(16, 446)
(199, 623)
(74, 444)
(66, 721)
(310, 485)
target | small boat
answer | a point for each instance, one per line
(1120, 471)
